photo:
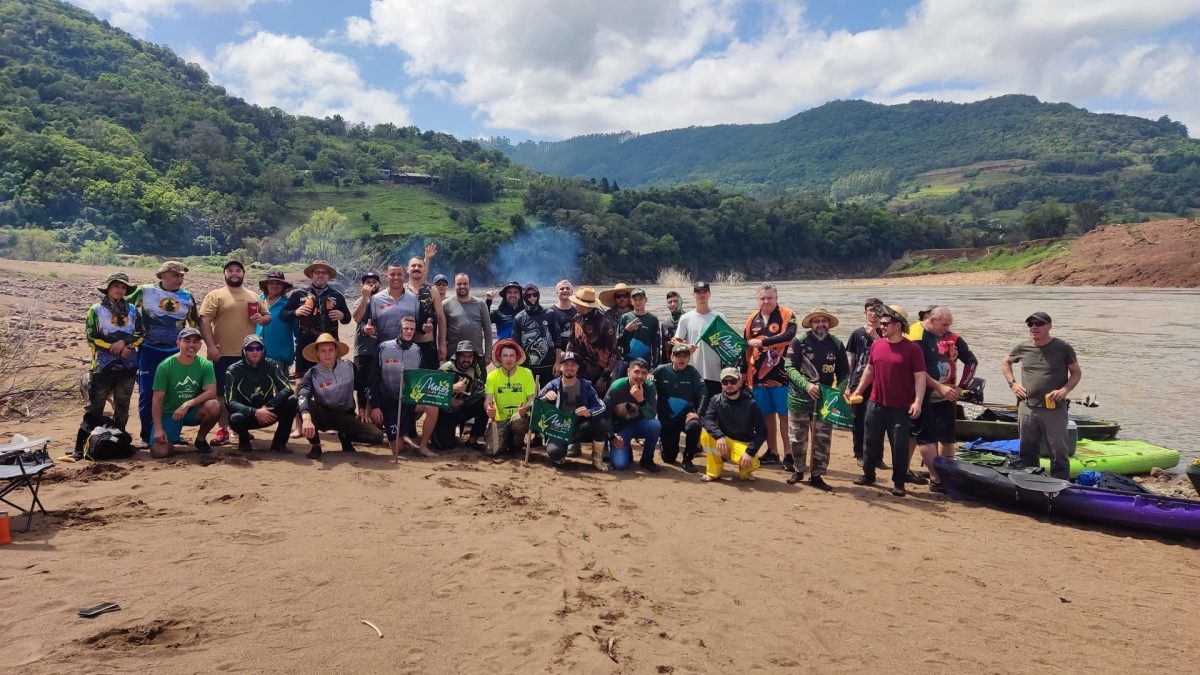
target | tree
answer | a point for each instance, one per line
(1087, 216)
(1048, 220)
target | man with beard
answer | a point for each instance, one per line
(467, 317)
(185, 395)
(431, 318)
(681, 399)
(593, 340)
(667, 325)
(258, 394)
(534, 329)
(568, 392)
(317, 309)
(687, 332)
(638, 332)
(564, 313)
(386, 391)
(634, 405)
(768, 333)
(227, 316)
(814, 359)
(510, 306)
(618, 300)
(166, 308)
(466, 405)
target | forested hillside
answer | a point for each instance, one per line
(855, 150)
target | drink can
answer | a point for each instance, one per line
(1050, 404)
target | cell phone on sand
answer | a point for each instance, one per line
(98, 609)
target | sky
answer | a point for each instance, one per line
(552, 69)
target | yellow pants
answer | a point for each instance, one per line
(716, 463)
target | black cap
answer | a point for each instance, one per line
(569, 356)
(700, 286)
(370, 275)
(440, 278)
(925, 312)
(234, 262)
(1038, 316)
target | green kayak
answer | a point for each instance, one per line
(1001, 429)
(1123, 457)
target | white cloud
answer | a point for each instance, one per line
(563, 68)
(134, 15)
(293, 74)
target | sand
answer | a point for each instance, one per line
(268, 563)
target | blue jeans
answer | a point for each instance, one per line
(645, 429)
(149, 356)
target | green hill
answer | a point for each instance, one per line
(859, 150)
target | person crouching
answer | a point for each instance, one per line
(258, 394)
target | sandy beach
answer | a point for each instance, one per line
(269, 563)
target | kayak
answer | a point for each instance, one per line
(1046, 495)
(1124, 457)
(1001, 429)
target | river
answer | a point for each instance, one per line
(1139, 348)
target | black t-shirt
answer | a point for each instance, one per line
(564, 317)
(569, 395)
(860, 345)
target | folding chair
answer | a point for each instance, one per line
(31, 459)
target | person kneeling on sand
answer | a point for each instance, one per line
(734, 429)
(634, 405)
(386, 389)
(258, 394)
(510, 391)
(185, 395)
(568, 392)
(326, 398)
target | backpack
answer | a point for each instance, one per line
(100, 439)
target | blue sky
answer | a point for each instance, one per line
(548, 69)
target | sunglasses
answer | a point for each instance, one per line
(730, 381)
(1031, 324)
(621, 296)
(253, 348)
(886, 322)
(533, 295)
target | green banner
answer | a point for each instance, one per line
(551, 422)
(724, 341)
(428, 387)
(835, 409)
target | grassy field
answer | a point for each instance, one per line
(1000, 259)
(402, 209)
(941, 183)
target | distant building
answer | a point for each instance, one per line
(385, 173)
(413, 178)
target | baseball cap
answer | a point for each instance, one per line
(370, 275)
(229, 263)
(1038, 316)
(188, 332)
(681, 349)
(730, 372)
(638, 292)
(251, 339)
(925, 312)
(700, 286)
(569, 356)
(440, 278)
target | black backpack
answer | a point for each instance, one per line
(100, 439)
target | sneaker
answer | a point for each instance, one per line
(769, 458)
(144, 445)
(898, 492)
(574, 451)
(282, 449)
(672, 461)
(883, 466)
(796, 477)
(789, 462)
(221, 437)
(244, 444)
(650, 466)
(689, 467)
(915, 479)
(203, 447)
(863, 480)
(936, 486)
(314, 452)
(820, 484)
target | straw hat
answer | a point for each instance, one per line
(310, 352)
(606, 296)
(317, 264)
(819, 311)
(585, 296)
(507, 343)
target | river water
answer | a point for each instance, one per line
(1139, 349)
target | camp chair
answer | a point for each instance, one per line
(30, 459)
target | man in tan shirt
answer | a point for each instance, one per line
(227, 316)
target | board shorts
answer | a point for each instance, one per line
(936, 424)
(173, 427)
(771, 400)
(220, 367)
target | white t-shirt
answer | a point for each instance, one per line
(691, 325)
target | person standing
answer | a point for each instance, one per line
(258, 394)
(510, 391)
(326, 398)
(185, 395)
(279, 335)
(768, 333)
(227, 315)
(387, 308)
(814, 359)
(681, 398)
(858, 351)
(618, 300)
(431, 318)
(667, 324)
(569, 392)
(593, 340)
(366, 347)
(535, 330)
(734, 429)
(466, 403)
(639, 335)
(166, 308)
(691, 326)
(896, 375)
(564, 313)
(114, 331)
(634, 405)
(510, 306)
(467, 317)
(317, 310)
(1049, 372)
(943, 349)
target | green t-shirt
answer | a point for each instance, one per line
(510, 392)
(182, 383)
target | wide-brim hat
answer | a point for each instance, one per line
(895, 312)
(507, 343)
(317, 264)
(171, 266)
(116, 278)
(585, 296)
(819, 311)
(275, 275)
(310, 352)
(606, 296)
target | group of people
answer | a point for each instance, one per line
(624, 374)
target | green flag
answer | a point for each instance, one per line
(551, 422)
(428, 387)
(723, 340)
(835, 409)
